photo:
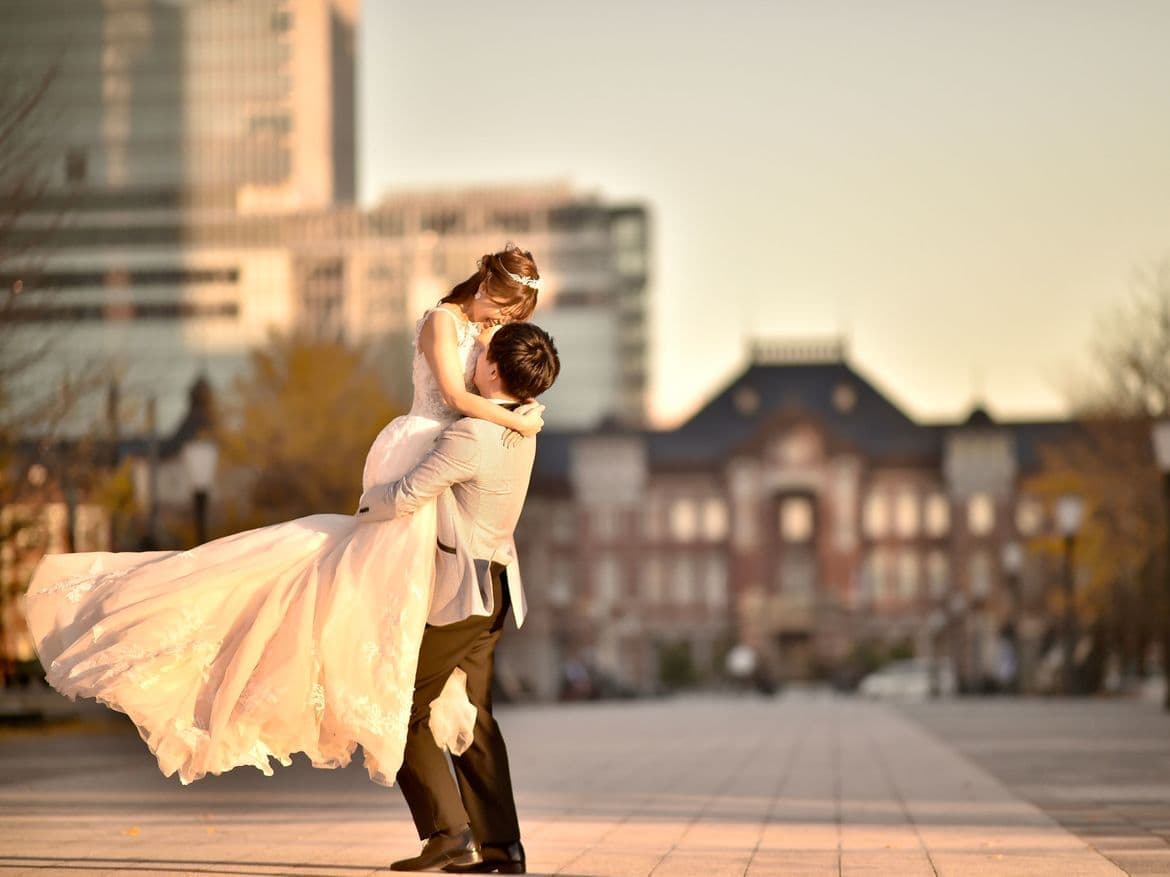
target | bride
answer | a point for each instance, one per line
(298, 637)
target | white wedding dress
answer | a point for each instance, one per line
(297, 637)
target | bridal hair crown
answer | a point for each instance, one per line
(533, 283)
(530, 282)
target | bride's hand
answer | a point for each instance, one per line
(530, 412)
(531, 423)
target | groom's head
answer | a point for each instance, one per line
(520, 361)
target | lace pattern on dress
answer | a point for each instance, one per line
(428, 398)
(76, 587)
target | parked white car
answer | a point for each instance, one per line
(910, 680)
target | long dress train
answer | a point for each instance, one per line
(298, 637)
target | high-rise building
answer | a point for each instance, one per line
(165, 125)
(593, 258)
(156, 105)
(199, 161)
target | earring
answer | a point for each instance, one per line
(479, 295)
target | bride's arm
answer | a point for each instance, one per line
(440, 346)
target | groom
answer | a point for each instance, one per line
(479, 481)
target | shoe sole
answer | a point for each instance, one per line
(488, 868)
(460, 859)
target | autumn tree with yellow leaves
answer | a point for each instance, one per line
(1123, 596)
(295, 430)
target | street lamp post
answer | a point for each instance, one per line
(1161, 437)
(1013, 561)
(936, 623)
(957, 610)
(200, 457)
(146, 480)
(1069, 511)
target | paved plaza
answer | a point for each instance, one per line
(802, 784)
(1099, 767)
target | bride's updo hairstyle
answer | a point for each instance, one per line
(509, 278)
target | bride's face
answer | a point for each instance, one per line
(485, 309)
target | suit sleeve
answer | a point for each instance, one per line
(455, 458)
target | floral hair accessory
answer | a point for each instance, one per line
(533, 283)
(530, 282)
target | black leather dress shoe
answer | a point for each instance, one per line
(454, 848)
(498, 858)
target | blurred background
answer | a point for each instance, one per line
(864, 311)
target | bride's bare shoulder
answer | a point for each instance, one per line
(432, 322)
(451, 310)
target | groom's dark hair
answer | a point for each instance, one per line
(526, 358)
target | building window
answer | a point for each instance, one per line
(564, 527)
(276, 123)
(1029, 516)
(876, 515)
(800, 447)
(797, 572)
(979, 573)
(876, 576)
(938, 571)
(844, 398)
(382, 271)
(980, 514)
(906, 514)
(684, 520)
(560, 586)
(908, 571)
(746, 401)
(510, 220)
(440, 221)
(938, 516)
(652, 580)
(683, 584)
(631, 262)
(796, 519)
(844, 507)
(607, 581)
(715, 519)
(715, 581)
(628, 233)
(606, 523)
(652, 519)
(76, 166)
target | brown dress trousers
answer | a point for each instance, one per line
(483, 795)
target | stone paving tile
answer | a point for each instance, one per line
(793, 863)
(1101, 768)
(793, 786)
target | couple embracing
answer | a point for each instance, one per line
(332, 631)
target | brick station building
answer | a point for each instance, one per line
(800, 512)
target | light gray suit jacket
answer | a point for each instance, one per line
(479, 488)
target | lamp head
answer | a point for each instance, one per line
(1069, 512)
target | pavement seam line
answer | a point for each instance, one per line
(887, 774)
(723, 786)
(645, 798)
(785, 774)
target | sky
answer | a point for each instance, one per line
(962, 190)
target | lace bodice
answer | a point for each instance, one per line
(428, 400)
